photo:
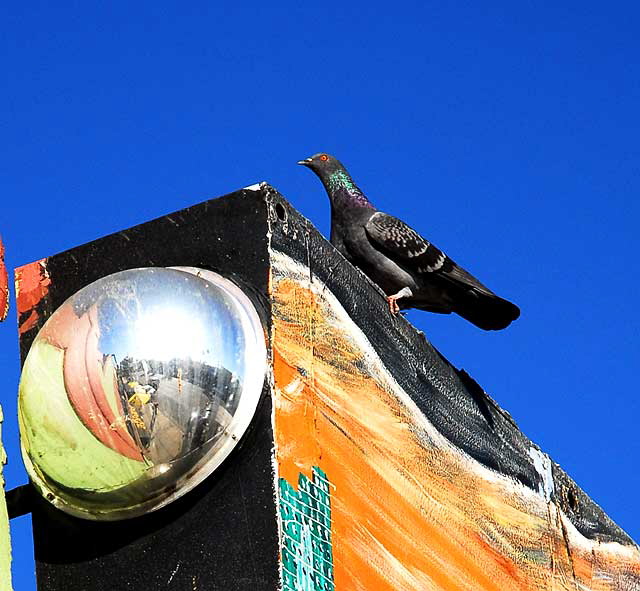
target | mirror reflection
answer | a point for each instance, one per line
(137, 387)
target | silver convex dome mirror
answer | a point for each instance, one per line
(137, 388)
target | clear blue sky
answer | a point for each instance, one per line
(507, 134)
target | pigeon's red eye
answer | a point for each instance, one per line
(324, 157)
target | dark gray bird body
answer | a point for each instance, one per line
(409, 269)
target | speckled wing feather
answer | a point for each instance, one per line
(406, 247)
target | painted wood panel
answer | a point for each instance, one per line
(408, 508)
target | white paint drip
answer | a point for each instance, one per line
(542, 463)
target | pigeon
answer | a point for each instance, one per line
(411, 271)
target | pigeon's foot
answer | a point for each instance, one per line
(393, 305)
(405, 292)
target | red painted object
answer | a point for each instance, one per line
(32, 285)
(4, 285)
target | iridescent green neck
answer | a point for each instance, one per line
(343, 191)
(340, 179)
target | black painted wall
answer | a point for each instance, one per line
(223, 534)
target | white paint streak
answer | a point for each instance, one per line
(606, 549)
(294, 387)
(439, 262)
(542, 463)
(254, 187)
(175, 570)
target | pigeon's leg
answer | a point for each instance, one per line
(405, 292)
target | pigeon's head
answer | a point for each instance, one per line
(322, 164)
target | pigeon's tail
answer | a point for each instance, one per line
(488, 312)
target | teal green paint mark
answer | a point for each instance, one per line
(305, 515)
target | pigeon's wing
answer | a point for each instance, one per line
(406, 247)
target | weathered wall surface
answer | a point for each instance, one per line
(396, 471)
(372, 463)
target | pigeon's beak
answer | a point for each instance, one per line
(305, 162)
